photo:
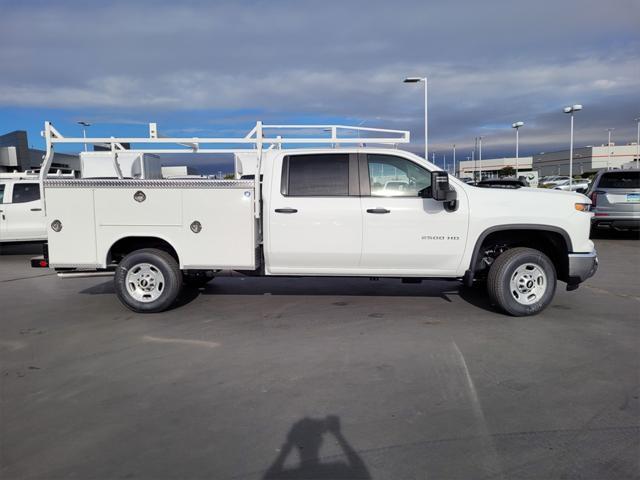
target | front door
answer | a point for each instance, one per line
(404, 234)
(314, 220)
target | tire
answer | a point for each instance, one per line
(148, 280)
(522, 281)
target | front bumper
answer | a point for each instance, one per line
(581, 267)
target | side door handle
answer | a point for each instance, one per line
(36, 209)
(378, 210)
(286, 210)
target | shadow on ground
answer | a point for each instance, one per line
(305, 438)
(323, 286)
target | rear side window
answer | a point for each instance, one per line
(324, 175)
(1, 192)
(25, 192)
(625, 180)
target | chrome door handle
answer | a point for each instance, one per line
(286, 210)
(378, 210)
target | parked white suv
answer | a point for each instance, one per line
(21, 215)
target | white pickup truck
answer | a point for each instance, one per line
(329, 206)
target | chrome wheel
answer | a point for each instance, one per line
(145, 282)
(528, 283)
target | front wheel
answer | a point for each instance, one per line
(522, 281)
(148, 280)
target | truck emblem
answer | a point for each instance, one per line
(196, 227)
(139, 196)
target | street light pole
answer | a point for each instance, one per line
(426, 111)
(85, 125)
(609, 130)
(638, 144)
(480, 155)
(454, 158)
(571, 110)
(517, 126)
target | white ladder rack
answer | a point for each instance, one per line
(254, 141)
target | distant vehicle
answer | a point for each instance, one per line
(576, 185)
(502, 183)
(21, 215)
(552, 181)
(615, 200)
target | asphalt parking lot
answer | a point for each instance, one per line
(359, 379)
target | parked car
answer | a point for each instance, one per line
(502, 183)
(554, 180)
(581, 184)
(315, 211)
(615, 199)
(21, 215)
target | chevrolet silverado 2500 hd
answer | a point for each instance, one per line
(337, 206)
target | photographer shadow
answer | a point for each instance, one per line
(306, 437)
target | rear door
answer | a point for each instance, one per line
(404, 234)
(24, 216)
(314, 219)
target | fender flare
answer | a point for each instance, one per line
(469, 274)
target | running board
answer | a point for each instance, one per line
(85, 274)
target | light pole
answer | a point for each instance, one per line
(480, 155)
(517, 126)
(454, 159)
(609, 130)
(426, 111)
(444, 161)
(85, 125)
(572, 109)
(638, 144)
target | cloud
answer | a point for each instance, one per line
(489, 63)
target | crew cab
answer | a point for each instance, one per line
(343, 209)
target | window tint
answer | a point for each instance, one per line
(391, 176)
(318, 175)
(1, 192)
(620, 180)
(25, 192)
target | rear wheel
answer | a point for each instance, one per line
(522, 281)
(148, 280)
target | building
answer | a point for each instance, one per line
(585, 160)
(16, 156)
(491, 167)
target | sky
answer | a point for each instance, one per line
(206, 68)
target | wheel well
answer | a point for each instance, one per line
(126, 245)
(552, 243)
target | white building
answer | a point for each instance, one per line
(585, 159)
(491, 167)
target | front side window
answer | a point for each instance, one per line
(325, 175)
(25, 192)
(1, 193)
(391, 176)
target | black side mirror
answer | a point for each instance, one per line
(440, 189)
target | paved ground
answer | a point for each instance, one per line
(360, 379)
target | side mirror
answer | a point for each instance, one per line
(440, 189)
